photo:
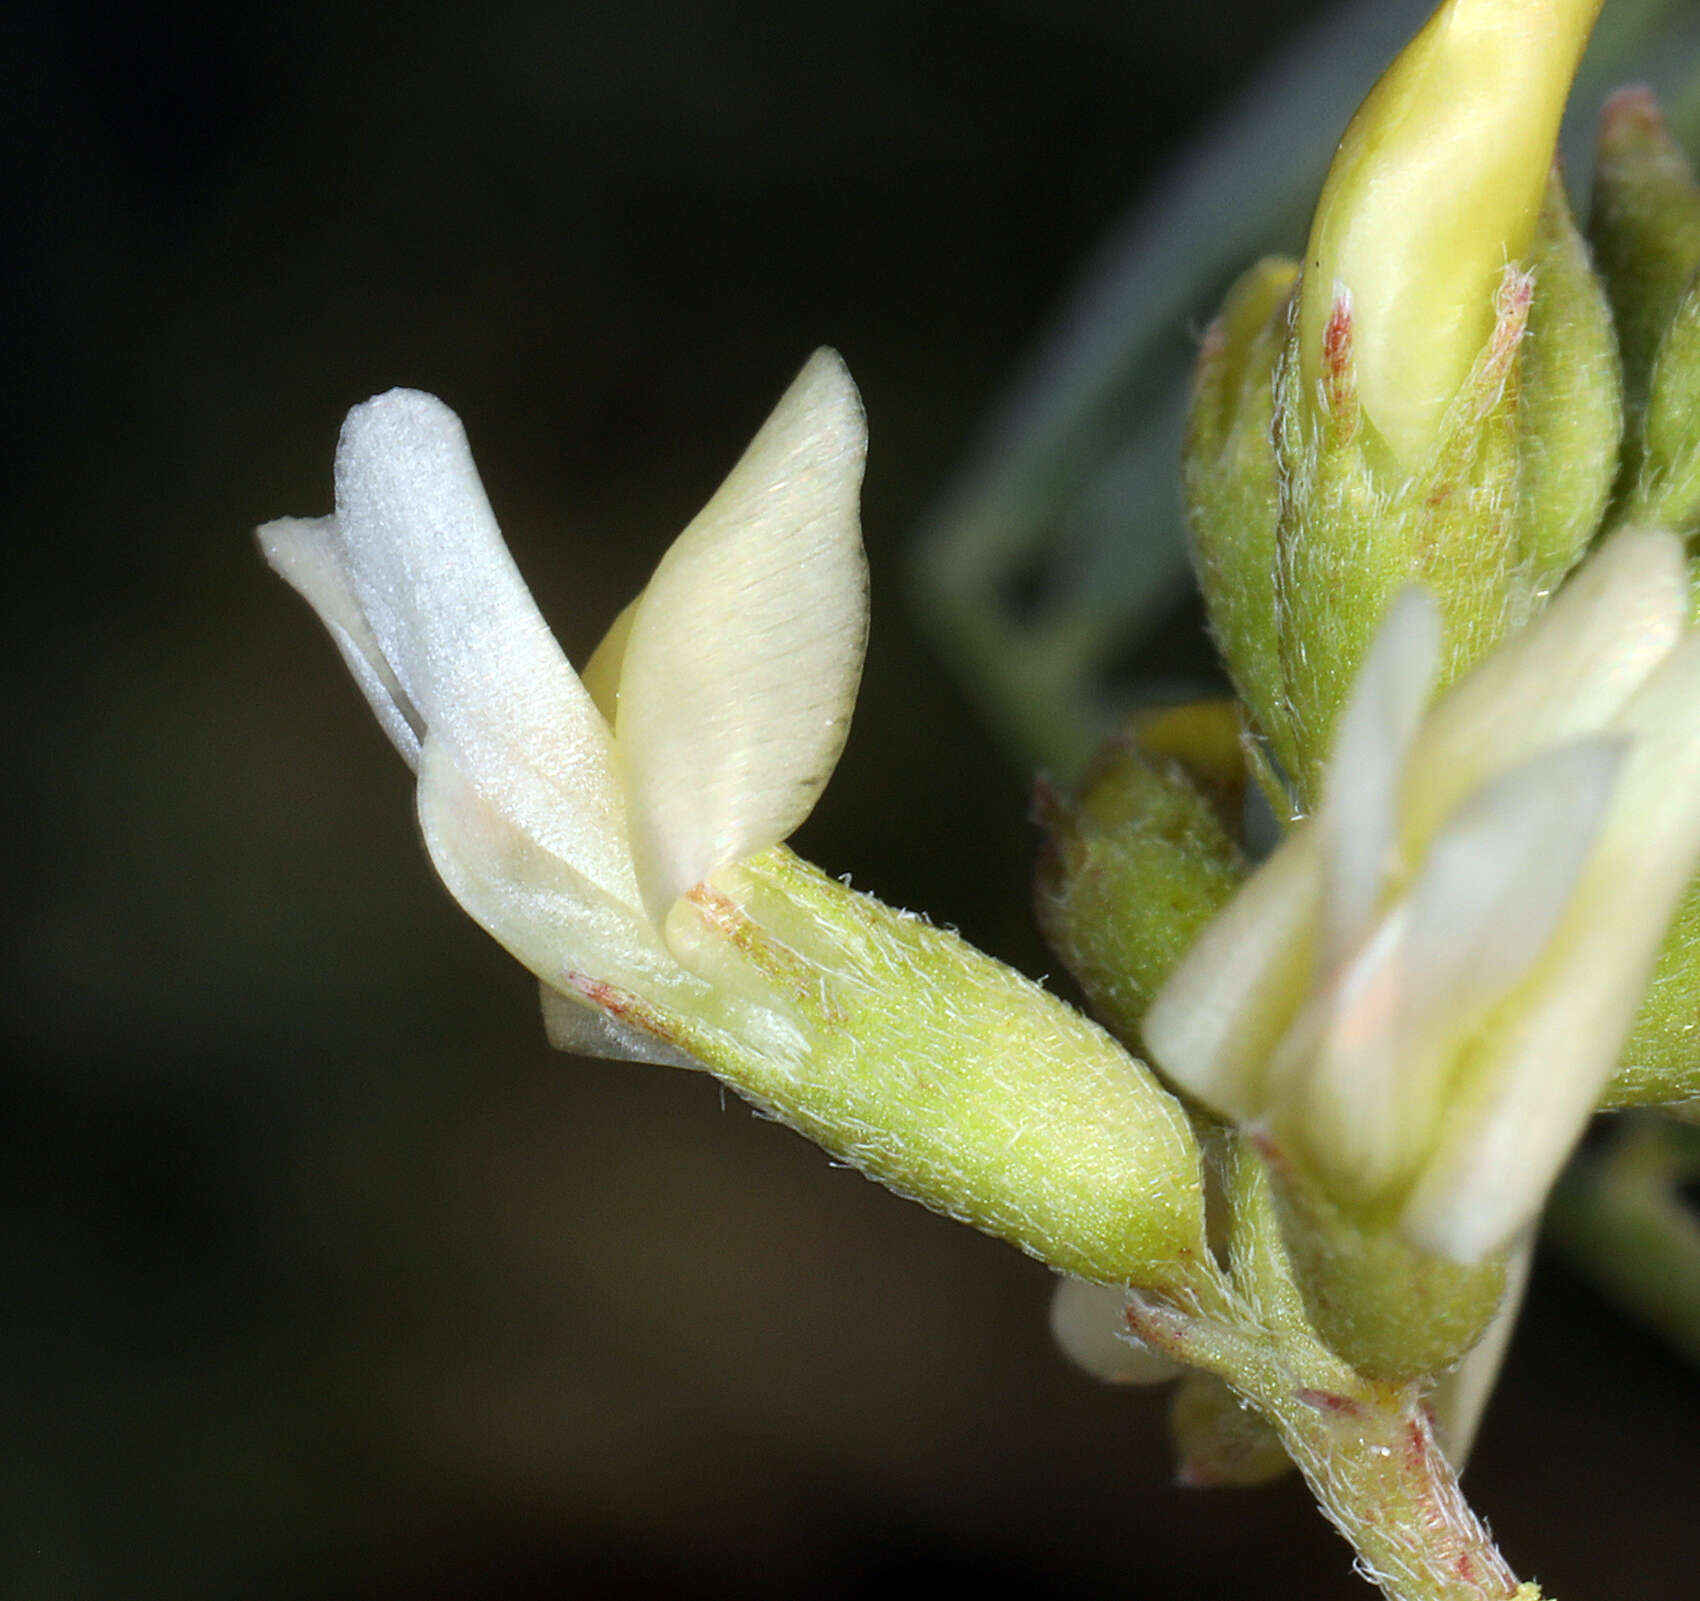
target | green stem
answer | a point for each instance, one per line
(1367, 1451)
(1381, 1479)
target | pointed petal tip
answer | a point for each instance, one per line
(275, 537)
(1564, 676)
(295, 548)
(827, 370)
(1413, 623)
(307, 553)
(1393, 684)
(745, 651)
(824, 402)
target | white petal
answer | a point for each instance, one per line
(1336, 1083)
(1089, 1322)
(1495, 883)
(1541, 1068)
(746, 648)
(1497, 876)
(455, 622)
(307, 553)
(582, 1030)
(1218, 1017)
(1461, 1397)
(1563, 676)
(1363, 1079)
(553, 918)
(1359, 812)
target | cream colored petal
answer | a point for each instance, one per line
(746, 648)
(1088, 1321)
(1336, 1085)
(540, 908)
(1436, 184)
(1333, 1072)
(1363, 1086)
(601, 675)
(307, 552)
(1358, 815)
(454, 620)
(1215, 1022)
(1565, 675)
(1498, 876)
(1494, 886)
(1539, 1070)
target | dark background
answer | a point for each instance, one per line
(322, 1276)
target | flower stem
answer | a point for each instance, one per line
(1367, 1450)
(1382, 1480)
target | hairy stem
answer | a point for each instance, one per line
(1367, 1450)
(1373, 1464)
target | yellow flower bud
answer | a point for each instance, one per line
(1436, 186)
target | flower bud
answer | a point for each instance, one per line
(1645, 228)
(1231, 478)
(1089, 1323)
(1667, 487)
(1133, 870)
(1219, 1440)
(1436, 185)
(1439, 402)
(1646, 224)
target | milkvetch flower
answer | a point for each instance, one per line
(620, 834)
(1419, 996)
(726, 687)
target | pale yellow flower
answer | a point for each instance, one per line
(570, 828)
(1435, 189)
(1421, 993)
